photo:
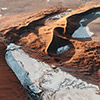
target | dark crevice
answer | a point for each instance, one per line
(31, 27)
(73, 21)
(58, 42)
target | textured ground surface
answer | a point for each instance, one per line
(24, 6)
(29, 29)
(47, 82)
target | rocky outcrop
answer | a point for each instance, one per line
(45, 82)
(42, 34)
(10, 87)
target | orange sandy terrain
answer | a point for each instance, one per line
(39, 35)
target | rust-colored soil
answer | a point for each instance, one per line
(40, 38)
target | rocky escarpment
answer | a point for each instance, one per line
(8, 81)
(46, 82)
(46, 32)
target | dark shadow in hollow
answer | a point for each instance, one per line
(14, 34)
(59, 31)
(58, 42)
(73, 22)
(72, 25)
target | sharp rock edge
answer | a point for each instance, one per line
(39, 78)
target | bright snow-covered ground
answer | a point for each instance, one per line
(0, 15)
(39, 76)
(48, 0)
(58, 16)
(4, 8)
(83, 31)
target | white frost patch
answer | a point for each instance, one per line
(97, 13)
(69, 10)
(39, 76)
(82, 31)
(56, 17)
(52, 80)
(4, 8)
(76, 94)
(24, 66)
(62, 49)
(12, 46)
(48, 0)
(0, 15)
